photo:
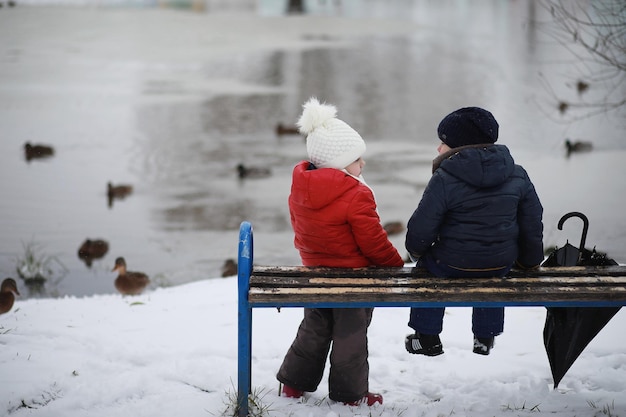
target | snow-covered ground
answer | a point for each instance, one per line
(173, 352)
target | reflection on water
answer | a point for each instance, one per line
(217, 215)
(176, 130)
(242, 115)
(192, 150)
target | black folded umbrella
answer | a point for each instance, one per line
(568, 330)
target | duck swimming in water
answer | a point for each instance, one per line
(393, 228)
(118, 192)
(281, 130)
(37, 151)
(8, 291)
(578, 146)
(129, 282)
(93, 249)
(252, 172)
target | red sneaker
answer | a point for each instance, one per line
(370, 399)
(292, 392)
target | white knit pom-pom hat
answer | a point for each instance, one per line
(330, 142)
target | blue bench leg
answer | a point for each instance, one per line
(244, 353)
(245, 360)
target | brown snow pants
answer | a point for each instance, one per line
(346, 329)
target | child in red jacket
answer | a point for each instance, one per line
(336, 224)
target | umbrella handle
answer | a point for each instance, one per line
(585, 220)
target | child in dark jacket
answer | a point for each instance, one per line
(479, 215)
(334, 218)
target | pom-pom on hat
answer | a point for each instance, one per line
(330, 142)
(468, 126)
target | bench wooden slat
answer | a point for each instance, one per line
(411, 272)
(409, 295)
(313, 282)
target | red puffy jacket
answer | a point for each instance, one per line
(335, 221)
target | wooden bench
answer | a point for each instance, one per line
(297, 286)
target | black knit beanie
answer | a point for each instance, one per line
(468, 126)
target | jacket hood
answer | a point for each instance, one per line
(481, 166)
(317, 187)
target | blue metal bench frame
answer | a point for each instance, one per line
(617, 297)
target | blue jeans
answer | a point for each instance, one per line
(486, 322)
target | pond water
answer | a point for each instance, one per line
(171, 100)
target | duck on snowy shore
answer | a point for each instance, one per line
(229, 268)
(129, 282)
(8, 291)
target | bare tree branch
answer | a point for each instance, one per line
(594, 33)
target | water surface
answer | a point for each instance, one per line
(171, 101)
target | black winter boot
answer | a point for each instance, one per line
(423, 344)
(483, 345)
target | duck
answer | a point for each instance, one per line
(118, 191)
(129, 282)
(393, 228)
(8, 291)
(252, 172)
(93, 249)
(286, 130)
(577, 146)
(37, 151)
(582, 86)
(229, 268)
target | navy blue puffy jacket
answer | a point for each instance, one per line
(479, 211)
